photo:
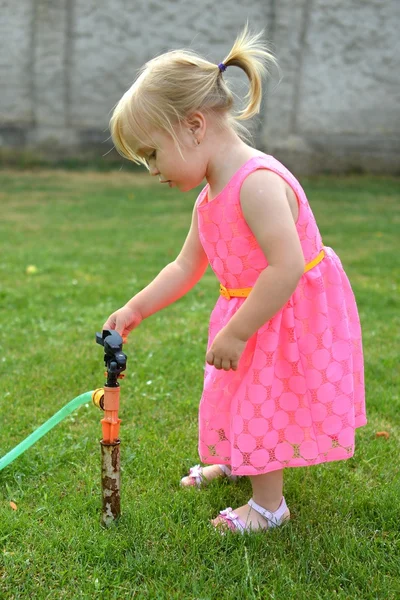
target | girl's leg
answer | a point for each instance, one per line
(268, 489)
(267, 492)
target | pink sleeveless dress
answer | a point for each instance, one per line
(298, 394)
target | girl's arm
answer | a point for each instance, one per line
(267, 212)
(176, 279)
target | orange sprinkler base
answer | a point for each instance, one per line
(110, 422)
(110, 427)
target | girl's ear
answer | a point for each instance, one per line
(197, 125)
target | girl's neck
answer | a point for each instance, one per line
(227, 154)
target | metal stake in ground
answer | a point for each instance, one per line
(107, 399)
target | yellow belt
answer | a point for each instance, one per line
(244, 292)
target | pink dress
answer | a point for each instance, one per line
(298, 394)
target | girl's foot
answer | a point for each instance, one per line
(200, 476)
(251, 517)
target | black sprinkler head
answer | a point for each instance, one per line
(114, 358)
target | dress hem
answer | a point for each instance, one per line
(274, 467)
(239, 472)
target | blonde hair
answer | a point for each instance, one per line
(174, 85)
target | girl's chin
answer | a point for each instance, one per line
(186, 188)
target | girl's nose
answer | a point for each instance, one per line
(153, 170)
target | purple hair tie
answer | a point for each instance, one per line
(222, 67)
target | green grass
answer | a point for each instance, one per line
(96, 239)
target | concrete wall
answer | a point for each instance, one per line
(65, 63)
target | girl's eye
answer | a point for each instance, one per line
(153, 154)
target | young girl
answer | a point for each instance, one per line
(283, 384)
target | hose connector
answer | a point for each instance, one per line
(98, 398)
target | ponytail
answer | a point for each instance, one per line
(254, 58)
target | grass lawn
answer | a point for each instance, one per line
(96, 239)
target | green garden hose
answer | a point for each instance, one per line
(43, 429)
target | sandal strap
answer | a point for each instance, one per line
(233, 520)
(228, 472)
(225, 469)
(274, 518)
(196, 473)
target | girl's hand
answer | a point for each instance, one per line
(123, 321)
(225, 351)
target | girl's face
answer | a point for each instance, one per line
(167, 164)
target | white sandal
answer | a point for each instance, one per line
(198, 479)
(235, 523)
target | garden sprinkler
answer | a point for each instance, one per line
(107, 399)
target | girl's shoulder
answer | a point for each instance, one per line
(268, 162)
(259, 160)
